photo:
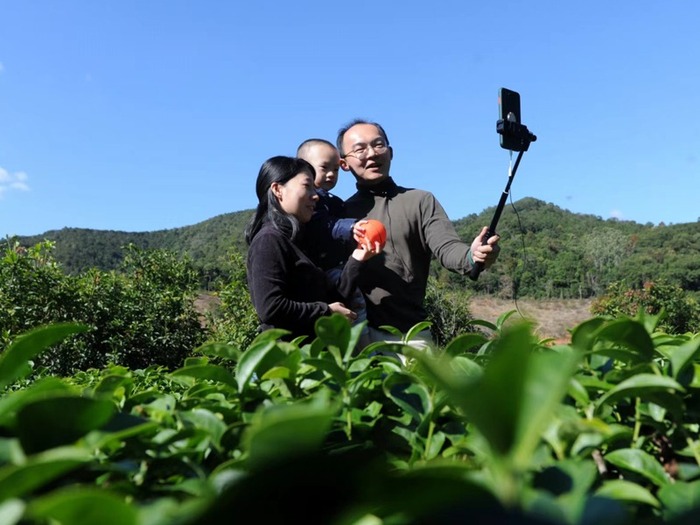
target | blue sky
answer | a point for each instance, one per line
(141, 116)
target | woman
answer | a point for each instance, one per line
(288, 290)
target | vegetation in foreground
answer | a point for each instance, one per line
(496, 425)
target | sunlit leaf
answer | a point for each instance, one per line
(464, 342)
(627, 491)
(417, 329)
(630, 334)
(583, 336)
(683, 355)
(215, 373)
(482, 322)
(640, 462)
(501, 321)
(205, 421)
(11, 511)
(335, 331)
(222, 350)
(13, 361)
(513, 400)
(258, 359)
(640, 385)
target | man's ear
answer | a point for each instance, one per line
(344, 165)
(391, 153)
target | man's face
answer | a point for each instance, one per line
(367, 155)
(325, 160)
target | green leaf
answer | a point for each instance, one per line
(14, 360)
(222, 350)
(417, 329)
(258, 359)
(328, 365)
(279, 432)
(684, 355)
(501, 321)
(630, 334)
(215, 373)
(408, 393)
(481, 322)
(111, 383)
(512, 402)
(273, 334)
(640, 385)
(583, 336)
(11, 402)
(464, 342)
(392, 330)
(48, 423)
(205, 421)
(335, 331)
(679, 498)
(11, 511)
(640, 462)
(39, 470)
(84, 506)
(627, 491)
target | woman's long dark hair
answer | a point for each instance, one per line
(276, 169)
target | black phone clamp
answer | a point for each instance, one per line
(518, 131)
(513, 129)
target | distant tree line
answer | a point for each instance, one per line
(547, 252)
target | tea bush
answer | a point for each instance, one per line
(140, 315)
(234, 321)
(602, 430)
(448, 311)
(681, 311)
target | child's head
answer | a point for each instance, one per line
(323, 156)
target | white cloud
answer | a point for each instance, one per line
(617, 214)
(12, 181)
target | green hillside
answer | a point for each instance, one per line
(547, 251)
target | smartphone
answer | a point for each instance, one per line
(509, 111)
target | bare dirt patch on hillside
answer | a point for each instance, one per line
(553, 318)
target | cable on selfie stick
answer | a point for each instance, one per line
(508, 127)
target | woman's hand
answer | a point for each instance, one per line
(341, 309)
(362, 253)
(364, 250)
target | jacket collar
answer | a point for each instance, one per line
(387, 187)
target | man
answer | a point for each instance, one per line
(395, 282)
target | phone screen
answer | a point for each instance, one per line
(509, 110)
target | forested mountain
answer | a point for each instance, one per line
(547, 251)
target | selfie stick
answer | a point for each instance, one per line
(508, 128)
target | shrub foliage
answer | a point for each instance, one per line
(140, 315)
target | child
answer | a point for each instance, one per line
(329, 237)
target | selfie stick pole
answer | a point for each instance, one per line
(512, 129)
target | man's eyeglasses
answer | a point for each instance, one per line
(361, 151)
